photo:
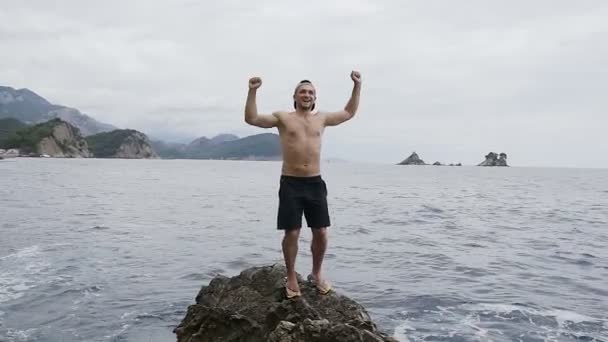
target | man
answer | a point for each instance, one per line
(302, 190)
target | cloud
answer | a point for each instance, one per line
(455, 79)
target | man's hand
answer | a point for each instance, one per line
(356, 77)
(255, 82)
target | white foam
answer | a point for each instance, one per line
(22, 271)
(25, 252)
(400, 330)
(21, 335)
(563, 316)
(128, 314)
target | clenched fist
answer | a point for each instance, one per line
(255, 82)
(355, 76)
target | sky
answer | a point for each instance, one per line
(450, 80)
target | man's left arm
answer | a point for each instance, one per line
(336, 118)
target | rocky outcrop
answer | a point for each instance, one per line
(136, 146)
(450, 164)
(121, 143)
(65, 141)
(413, 159)
(252, 307)
(493, 159)
(54, 138)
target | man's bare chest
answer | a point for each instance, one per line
(310, 127)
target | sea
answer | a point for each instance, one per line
(116, 250)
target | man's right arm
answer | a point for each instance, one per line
(251, 109)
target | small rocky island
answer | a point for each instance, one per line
(252, 307)
(413, 159)
(493, 159)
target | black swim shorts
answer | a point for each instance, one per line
(299, 195)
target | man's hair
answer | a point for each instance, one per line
(297, 87)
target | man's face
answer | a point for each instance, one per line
(305, 96)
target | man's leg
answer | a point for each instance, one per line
(290, 252)
(317, 217)
(318, 247)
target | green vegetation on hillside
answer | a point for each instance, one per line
(8, 127)
(26, 139)
(256, 146)
(104, 145)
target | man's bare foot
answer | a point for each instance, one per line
(292, 288)
(322, 285)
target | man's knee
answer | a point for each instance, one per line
(319, 232)
(292, 234)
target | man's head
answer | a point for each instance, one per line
(304, 96)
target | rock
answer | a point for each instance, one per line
(65, 141)
(136, 146)
(251, 307)
(413, 159)
(121, 143)
(437, 163)
(493, 159)
(54, 138)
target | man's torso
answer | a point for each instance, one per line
(301, 143)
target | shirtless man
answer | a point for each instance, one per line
(302, 190)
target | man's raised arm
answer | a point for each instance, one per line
(251, 109)
(336, 118)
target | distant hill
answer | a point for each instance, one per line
(55, 138)
(224, 146)
(222, 138)
(259, 146)
(30, 108)
(168, 150)
(8, 127)
(121, 143)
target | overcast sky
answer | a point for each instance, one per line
(451, 80)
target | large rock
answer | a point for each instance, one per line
(413, 159)
(252, 307)
(493, 159)
(121, 143)
(136, 146)
(65, 141)
(54, 138)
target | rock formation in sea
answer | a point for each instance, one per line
(54, 138)
(413, 159)
(252, 307)
(121, 143)
(493, 159)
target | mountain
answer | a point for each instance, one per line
(264, 146)
(23, 104)
(55, 138)
(31, 108)
(168, 150)
(121, 143)
(222, 138)
(224, 146)
(8, 127)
